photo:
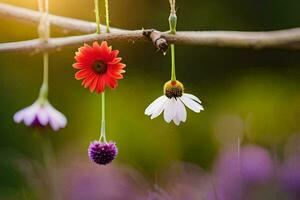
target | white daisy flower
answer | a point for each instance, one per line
(41, 114)
(173, 103)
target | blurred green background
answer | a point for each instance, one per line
(249, 92)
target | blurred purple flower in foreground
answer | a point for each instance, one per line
(187, 181)
(88, 181)
(41, 114)
(235, 174)
(256, 165)
(247, 176)
(290, 176)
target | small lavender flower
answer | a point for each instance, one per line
(102, 153)
(41, 114)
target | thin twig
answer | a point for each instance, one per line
(29, 15)
(281, 39)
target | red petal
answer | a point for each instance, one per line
(86, 82)
(85, 55)
(115, 74)
(96, 44)
(86, 50)
(115, 61)
(112, 83)
(112, 56)
(84, 60)
(99, 52)
(78, 65)
(94, 84)
(100, 85)
(105, 51)
(104, 45)
(117, 67)
(81, 74)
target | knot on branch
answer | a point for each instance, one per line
(158, 40)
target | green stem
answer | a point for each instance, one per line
(46, 68)
(43, 96)
(173, 72)
(97, 16)
(103, 133)
(173, 24)
(44, 31)
(107, 16)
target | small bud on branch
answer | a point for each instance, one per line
(172, 17)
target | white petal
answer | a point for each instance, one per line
(56, 119)
(30, 114)
(191, 97)
(150, 109)
(54, 124)
(176, 120)
(62, 120)
(19, 116)
(191, 104)
(42, 116)
(158, 110)
(181, 111)
(170, 110)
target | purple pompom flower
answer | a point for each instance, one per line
(102, 153)
(41, 114)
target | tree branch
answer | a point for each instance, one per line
(28, 15)
(282, 39)
(37, 45)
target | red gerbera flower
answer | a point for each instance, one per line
(98, 66)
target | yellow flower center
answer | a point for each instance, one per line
(173, 89)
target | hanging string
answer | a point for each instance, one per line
(107, 16)
(98, 30)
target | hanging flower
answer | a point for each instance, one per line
(98, 66)
(173, 103)
(41, 114)
(102, 153)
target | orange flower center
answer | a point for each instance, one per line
(99, 67)
(173, 89)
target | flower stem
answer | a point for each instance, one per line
(103, 134)
(44, 31)
(107, 16)
(173, 24)
(43, 96)
(46, 69)
(173, 71)
(97, 16)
